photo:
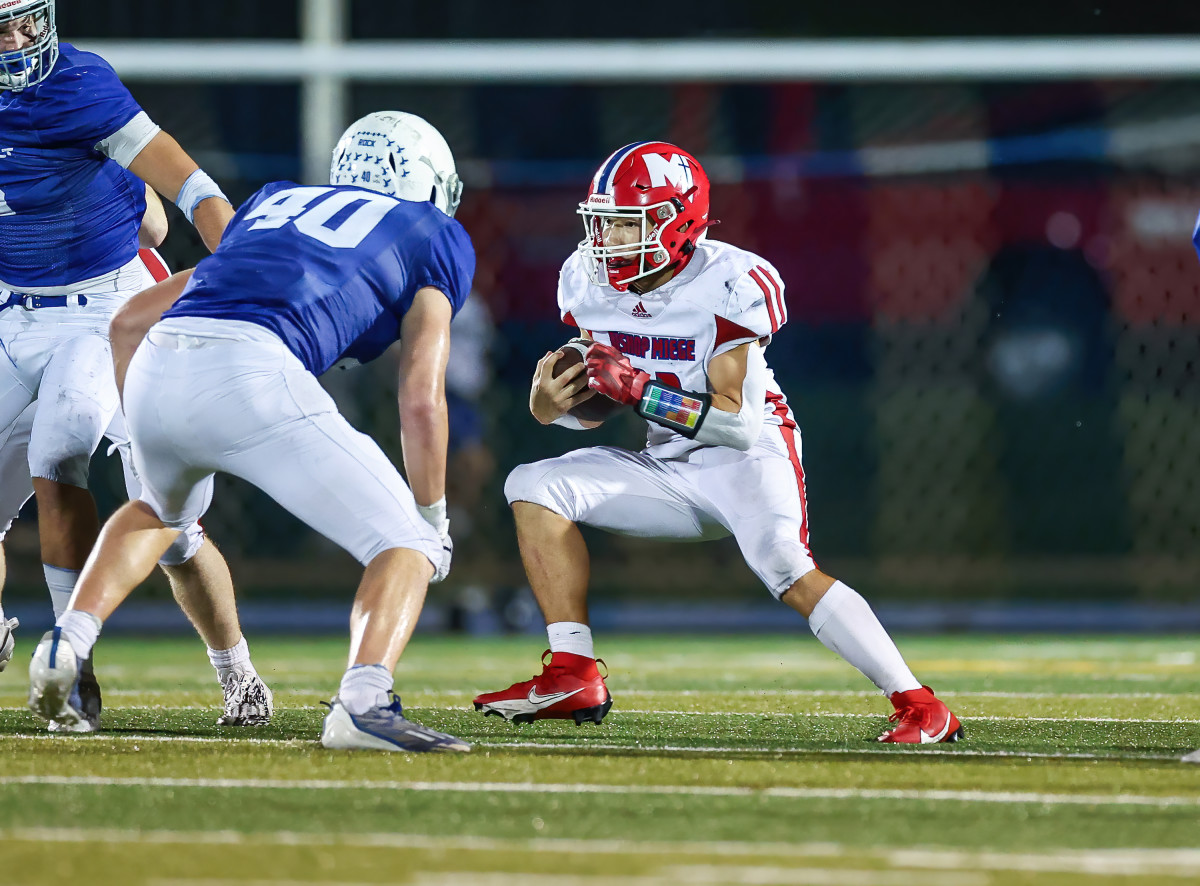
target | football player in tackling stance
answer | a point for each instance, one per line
(679, 323)
(76, 151)
(305, 277)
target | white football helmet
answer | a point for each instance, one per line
(30, 64)
(398, 154)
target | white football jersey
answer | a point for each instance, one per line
(723, 298)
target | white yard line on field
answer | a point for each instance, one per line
(989, 717)
(868, 749)
(526, 787)
(1174, 721)
(1160, 862)
(699, 693)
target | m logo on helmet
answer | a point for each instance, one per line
(675, 169)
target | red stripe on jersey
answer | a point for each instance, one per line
(569, 320)
(781, 410)
(789, 438)
(728, 331)
(154, 264)
(778, 287)
(769, 293)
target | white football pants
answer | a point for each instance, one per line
(205, 395)
(60, 356)
(712, 492)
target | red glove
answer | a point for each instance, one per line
(610, 373)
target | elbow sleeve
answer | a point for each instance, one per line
(740, 430)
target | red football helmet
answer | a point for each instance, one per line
(662, 188)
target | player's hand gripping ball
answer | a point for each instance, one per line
(597, 407)
(611, 374)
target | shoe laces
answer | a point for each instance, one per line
(551, 668)
(395, 707)
(912, 711)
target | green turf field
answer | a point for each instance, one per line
(743, 760)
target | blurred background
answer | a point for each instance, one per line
(983, 219)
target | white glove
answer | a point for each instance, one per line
(442, 569)
(435, 516)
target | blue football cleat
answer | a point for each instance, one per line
(383, 728)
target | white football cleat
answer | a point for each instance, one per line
(383, 728)
(6, 640)
(85, 698)
(53, 674)
(248, 700)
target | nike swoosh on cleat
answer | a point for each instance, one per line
(933, 739)
(544, 701)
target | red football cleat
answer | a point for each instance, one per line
(922, 718)
(569, 688)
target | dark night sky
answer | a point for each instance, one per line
(475, 19)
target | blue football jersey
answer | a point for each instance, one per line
(330, 270)
(67, 212)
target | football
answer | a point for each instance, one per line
(597, 407)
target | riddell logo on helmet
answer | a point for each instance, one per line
(11, 3)
(600, 199)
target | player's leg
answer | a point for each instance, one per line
(192, 407)
(761, 496)
(203, 588)
(129, 547)
(359, 501)
(16, 418)
(15, 489)
(607, 488)
(77, 400)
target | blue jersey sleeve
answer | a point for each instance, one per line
(95, 103)
(448, 265)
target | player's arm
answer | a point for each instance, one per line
(133, 319)
(153, 231)
(551, 399)
(424, 429)
(167, 168)
(729, 414)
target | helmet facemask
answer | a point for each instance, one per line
(31, 64)
(619, 265)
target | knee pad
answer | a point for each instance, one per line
(184, 547)
(519, 484)
(781, 564)
(539, 483)
(63, 465)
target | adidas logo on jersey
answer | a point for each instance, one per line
(641, 313)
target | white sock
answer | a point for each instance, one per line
(845, 623)
(571, 636)
(227, 661)
(363, 687)
(61, 583)
(81, 629)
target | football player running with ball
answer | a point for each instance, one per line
(305, 277)
(76, 154)
(679, 323)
